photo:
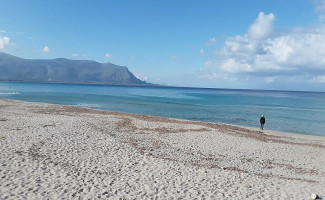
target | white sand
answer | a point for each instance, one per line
(60, 152)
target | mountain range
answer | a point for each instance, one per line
(61, 70)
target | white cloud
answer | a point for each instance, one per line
(211, 76)
(320, 9)
(318, 79)
(233, 66)
(141, 76)
(208, 63)
(212, 40)
(4, 41)
(270, 53)
(201, 51)
(108, 55)
(46, 49)
(217, 76)
(173, 57)
(269, 79)
(74, 55)
(262, 27)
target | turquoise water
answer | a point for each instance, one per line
(298, 112)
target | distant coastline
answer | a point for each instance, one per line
(83, 83)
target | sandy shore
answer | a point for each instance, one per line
(61, 152)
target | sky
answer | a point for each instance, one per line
(251, 44)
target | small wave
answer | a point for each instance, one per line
(88, 105)
(8, 93)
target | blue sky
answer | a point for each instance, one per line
(253, 44)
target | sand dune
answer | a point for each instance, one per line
(63, 152)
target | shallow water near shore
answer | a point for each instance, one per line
(288, 111)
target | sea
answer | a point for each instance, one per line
(287, 111)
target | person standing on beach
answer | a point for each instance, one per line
(262, 121)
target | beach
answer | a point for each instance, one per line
(66, 152)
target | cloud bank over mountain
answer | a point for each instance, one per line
(4, 41)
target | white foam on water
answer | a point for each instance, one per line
(8, 93)
(88, 105)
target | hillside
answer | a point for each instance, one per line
(61, 70)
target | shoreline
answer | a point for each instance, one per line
(266, 131)
(283, 133)
(52, 151)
